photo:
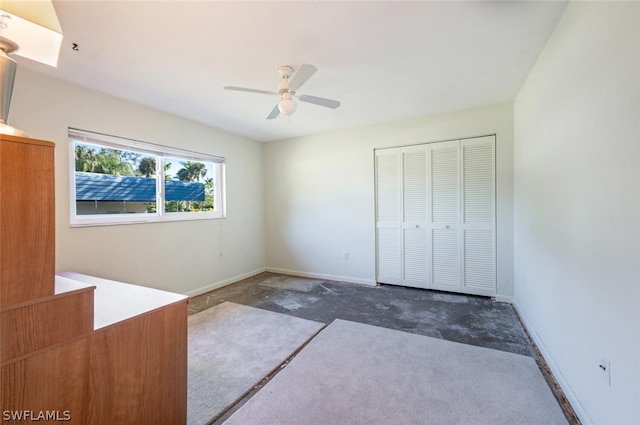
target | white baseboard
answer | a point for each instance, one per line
(367, 282)
(504, 299)
(224, 282)
(557, 374)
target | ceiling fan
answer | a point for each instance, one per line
(287, 90)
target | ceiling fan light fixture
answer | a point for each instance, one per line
(287, 106)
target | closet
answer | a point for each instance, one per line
(435, 216)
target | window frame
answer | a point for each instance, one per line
(160, 153)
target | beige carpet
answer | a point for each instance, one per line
(352, 373)
(231, 348)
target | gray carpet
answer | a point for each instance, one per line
(231, 349)
(353, 373)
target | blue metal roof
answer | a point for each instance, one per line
(176, 190)
(108, 187)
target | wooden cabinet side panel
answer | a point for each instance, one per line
(50, 381)
(27, 232)
(37, 325)
(138, 370)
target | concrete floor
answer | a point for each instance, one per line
(461, 318)
(467, 319)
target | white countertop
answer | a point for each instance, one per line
(115, 301)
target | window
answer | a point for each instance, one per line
(117, 181)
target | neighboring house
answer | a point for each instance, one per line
(111, 194)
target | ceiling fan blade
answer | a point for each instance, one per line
(301, 76)
(329, 103)
(249, 90)
(274, 113)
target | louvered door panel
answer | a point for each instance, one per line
(388, 216)
(445, 215)
(446, 259)
(415, 211)
(479, 263)
(388, 200)
(478, 213)
(389, 248)
(445, 186)
(415, 271)
(478, 181)
(414, 184)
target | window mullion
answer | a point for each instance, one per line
(218, 194)
(160, 191)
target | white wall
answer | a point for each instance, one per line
(182, 256)
(577, 207)
(319, 193)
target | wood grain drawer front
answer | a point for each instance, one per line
(47, 321)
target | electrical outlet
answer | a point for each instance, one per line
(605, 370)
(345, 255)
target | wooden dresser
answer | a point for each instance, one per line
(74, 347)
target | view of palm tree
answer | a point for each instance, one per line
(191, 171)
(147, 166)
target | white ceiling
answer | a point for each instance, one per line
(384, 60)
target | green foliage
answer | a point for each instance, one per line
(208, 195)
(191, 171)
(175, 206)
(147, 166)
(106, 161)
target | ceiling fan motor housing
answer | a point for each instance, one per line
(286, 71)
(283, 86)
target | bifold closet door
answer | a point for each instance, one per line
(435, 216)
(415, 230)
(388, 216)
(402, 231)
(445, 216)
(401, 216)
(478, 215)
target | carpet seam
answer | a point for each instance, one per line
(233, 407)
